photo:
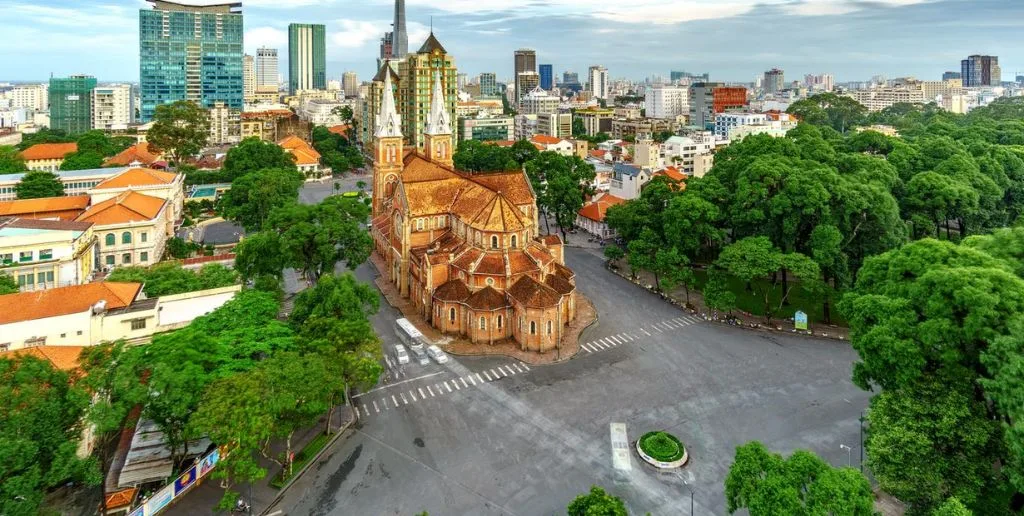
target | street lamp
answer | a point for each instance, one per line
(849, 454)
(689, 488)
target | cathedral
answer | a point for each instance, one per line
(464, 247)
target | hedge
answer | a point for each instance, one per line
(662, 446)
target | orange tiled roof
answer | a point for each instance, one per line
(486, 299)
(127, 207)
(534, 294)
(63, 358)
(492, 264)
(544, 139)
(340, 130)
(48, 151)
(559, 284)
(550, 239)
(520, 262)
(138, 177)
(596, 210)
(499, 215)
(30, 306)
(122, 498)
(304, 153)
(141, 153)
(672, 173)
(563, 271)
(66, 208)
(454, 290)
(466, 260)
(509, 143)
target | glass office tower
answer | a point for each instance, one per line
(189, 52)
(307, 57)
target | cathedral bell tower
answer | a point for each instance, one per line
(437, 136)
(387, 165)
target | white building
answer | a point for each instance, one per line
(538, 101)
(225, 125)
(321, 111)
(598, 82)
(725, 122)
(249, 78)
(879, 98)
(14, 117)
(667, 102)
(266, 68)
(525, 126)
(112, 107)
(627, 181)
(350, 83)
(555, 124)
(35, 97)
(553, 144)
(683, 151)
(42, 254)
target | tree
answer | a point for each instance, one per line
(82, 160)
(38, 184)
(181, 129)
(178, 248)
(11, 161)
(254, 155)
(164, 279)
(253, 196)
(614, 253)
(765, 483)
(759, 264)
(717, 295)
(343, 112)
(597, 503)
(523, 151)
(98, 142)
(829, 109)
(45, 135)
(561, 182)
(673, 270)
(8, 285)
(952, 507)
(477, 156)
(260, 254)
(315, 238)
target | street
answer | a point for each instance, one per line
(494, 436)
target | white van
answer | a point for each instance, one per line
(401, 355)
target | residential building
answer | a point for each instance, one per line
(190, 52)
(597, 78)
(71, 103)
(461, 80)
(558, 125)
(591, 217)
(774, 81)
(976, 71)
(647, 153)
(623, 128)
(94, 313)
(307, 159)
(596, 120)
(307, 57)
(47, 157)
(266, 68)
(465, 248)
(881, 97)
(322, 111)
(417, 72)
(628, 180)
(225, 125)
(42, 254)
(547, 77)
(538, 101)
(707, 99)
(665, 101)
(488, 85)
(683, 152)
(773, 128)
(350, 84)
(132, 228)
(946, 76)
(249, 78)
(627, 112)
(525, 60)
(526, 82)
(30, 96)
(485, 129)
(112, 107)
(553, 144)
(525, 126)
(823, 82)
(725, 122)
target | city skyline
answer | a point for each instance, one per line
(892, 37)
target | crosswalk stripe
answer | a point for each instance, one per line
(495, 375)
(471, 380)
(412, 395)
(526, 367)
(645, 331)
(517, 368)
(449, 387)
(478, 378)
(402, 394)
(486, 375)
(585, 348)
(376, 409)
(431, 391)
(510, 371)
(597, 344)
(393, 398)
(457, 384)
(615, 342)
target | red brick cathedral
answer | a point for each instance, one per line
(464, 247)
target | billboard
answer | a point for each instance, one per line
(185, 481)
(800, 320)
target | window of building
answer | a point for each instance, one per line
(533, 327)
(6, 346)
(499, 322)
(25, 256)
(6, 258)
(513, 240)
(45, 277)
(490, 282)
(451, 314)
(138, 324)
(126, 258)
(110, 239)
(79, 332)
(483, 323)
(126, 237)
(419, 224)
(46, 254)
(143, 237)
(63, 335)
(494, 242)
(26, 279)
(144, 256)
(35, 341)
(549, 327)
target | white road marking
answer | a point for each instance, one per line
(602, 344)
(510, 371)
(422, 395)
(388, 386)
(376, 409)
(449, 387)
(366, 411)
(645, 331)
(613, 341)
(471, 380)
(456, 384)
(585, 348)
(517, 368)
(495, 375)
(411, 395)
(403, 399)
(486, 375)
(526, 366)
(478, 378)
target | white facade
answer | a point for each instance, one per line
(682, 151)
(525, 126)
(667, 102)
(112, 107)
(555, 124)
(725, 122)
(320, 111)
(225, 125)
(43, 254)
(13, 117)
(266, 68)
(248, 78)
(539, 101)
(598, 81)
(35, 97)
(350, 83)
(877, 99)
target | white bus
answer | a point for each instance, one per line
(408, 334)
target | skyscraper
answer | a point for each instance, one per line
(386, 45)
(598, 81)
(266, 68)
(547, 77)
(525, 61)
(307, 57)
(112, 106)
(350, 84)
(190, 52)
(711, 98)
(774, 81)
(71, 103)
(400, 44)
(488, 85)
(978, 71)
(248, 77)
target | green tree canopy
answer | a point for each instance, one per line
(38, 184)
(82, 160)
(477, 156)
(11, 161)
(168, 278)
(181, 129)
(254, 195)
(8, 285)
(255, 155)
(597, 503)
(315, 238)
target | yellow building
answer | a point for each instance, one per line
(43, 254)
(131, 228)
(47, 157)
(154, 183)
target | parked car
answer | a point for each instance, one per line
(421, 356)
(401, 355)
(439, 356)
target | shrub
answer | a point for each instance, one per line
(662, 446)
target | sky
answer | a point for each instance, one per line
(733, 40)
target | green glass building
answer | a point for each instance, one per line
(71, 103)
(307, 57)
(190, 52)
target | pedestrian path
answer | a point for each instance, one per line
(385, 399)
(606, 343)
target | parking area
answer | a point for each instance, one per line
(493, 436)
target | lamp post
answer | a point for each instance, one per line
(849, 454)
(862, 441)
(690, 489)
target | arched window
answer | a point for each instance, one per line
(111, 239)
(494, 242)
(451, 314)
(499, 322)
(533, 327)
(513, 241)
(483, 323)
(419, 224)
(126, 237)
(549, 327)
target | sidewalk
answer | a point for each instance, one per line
(204, 498)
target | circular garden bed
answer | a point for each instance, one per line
(661, 450)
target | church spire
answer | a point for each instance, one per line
(389, 122)
(440, 122)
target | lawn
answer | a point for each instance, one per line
(798, 300)
(301, 458)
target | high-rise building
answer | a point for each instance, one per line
(488, 85)
(978, 71)
(951, 75)
(387, 43)
(823, 82)
(248, 77)
(525, 62)
(71, 103)
(190, 52)
(707, 99)
(400, 43)
(225, 125)
(527, 81)
(266, 68)
(547, 77)
(598, 82)
(774, 81)
(461, 81)
(29, 96)
(350, 84)
(538, 101)
(307, 57)
(570, 77)
(112, 107)
(667, 102)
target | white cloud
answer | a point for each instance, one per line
(265, 37)
(357, 33)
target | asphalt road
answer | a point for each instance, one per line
(493, 436)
